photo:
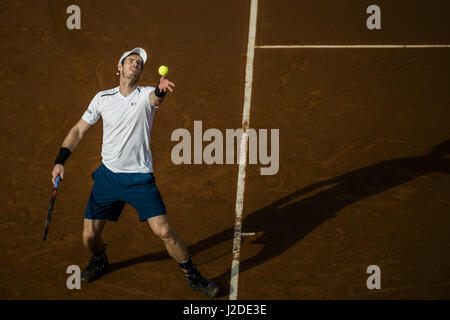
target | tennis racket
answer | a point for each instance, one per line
(50, 207)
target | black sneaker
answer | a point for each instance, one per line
(96, 267)
(197, 282)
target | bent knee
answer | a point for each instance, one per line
(166, 234)
(89, 233)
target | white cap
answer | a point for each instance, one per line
(139, 51)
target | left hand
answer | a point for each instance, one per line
(165, 84)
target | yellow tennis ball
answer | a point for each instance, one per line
(163, 70)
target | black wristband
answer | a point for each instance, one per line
(63, 154)
(159, 93)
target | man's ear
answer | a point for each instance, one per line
(119, 68)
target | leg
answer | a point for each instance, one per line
(92, 238)
(147, 200)
(174, 244)
(103, 204)
(177, 250)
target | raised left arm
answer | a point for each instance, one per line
(157, 96)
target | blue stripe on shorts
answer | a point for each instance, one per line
(112, 190)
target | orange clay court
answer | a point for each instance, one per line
(363, 152)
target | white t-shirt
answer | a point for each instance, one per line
(127, 123)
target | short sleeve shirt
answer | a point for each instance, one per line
(127, 124)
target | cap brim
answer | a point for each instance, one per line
(139, 51)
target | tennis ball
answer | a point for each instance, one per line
(163, 70)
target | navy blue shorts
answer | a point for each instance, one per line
(112, 190)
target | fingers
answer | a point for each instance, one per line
(168, 85)
(58, 170)
(165, 84)
(54, 175)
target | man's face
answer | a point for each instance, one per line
(132, 67)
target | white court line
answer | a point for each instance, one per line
(246, 123)
(356, 46)
(248, 234)
(243, 151)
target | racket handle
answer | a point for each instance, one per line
(57, 181)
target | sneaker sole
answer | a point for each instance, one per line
(105, 271)
(212, 295)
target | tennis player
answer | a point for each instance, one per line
(126, 172)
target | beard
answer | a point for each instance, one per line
(133, 77)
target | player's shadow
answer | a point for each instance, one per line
(286, 221)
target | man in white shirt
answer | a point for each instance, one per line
(126, 172)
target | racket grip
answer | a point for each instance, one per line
(57, 181)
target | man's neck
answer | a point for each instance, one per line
(126, 86)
